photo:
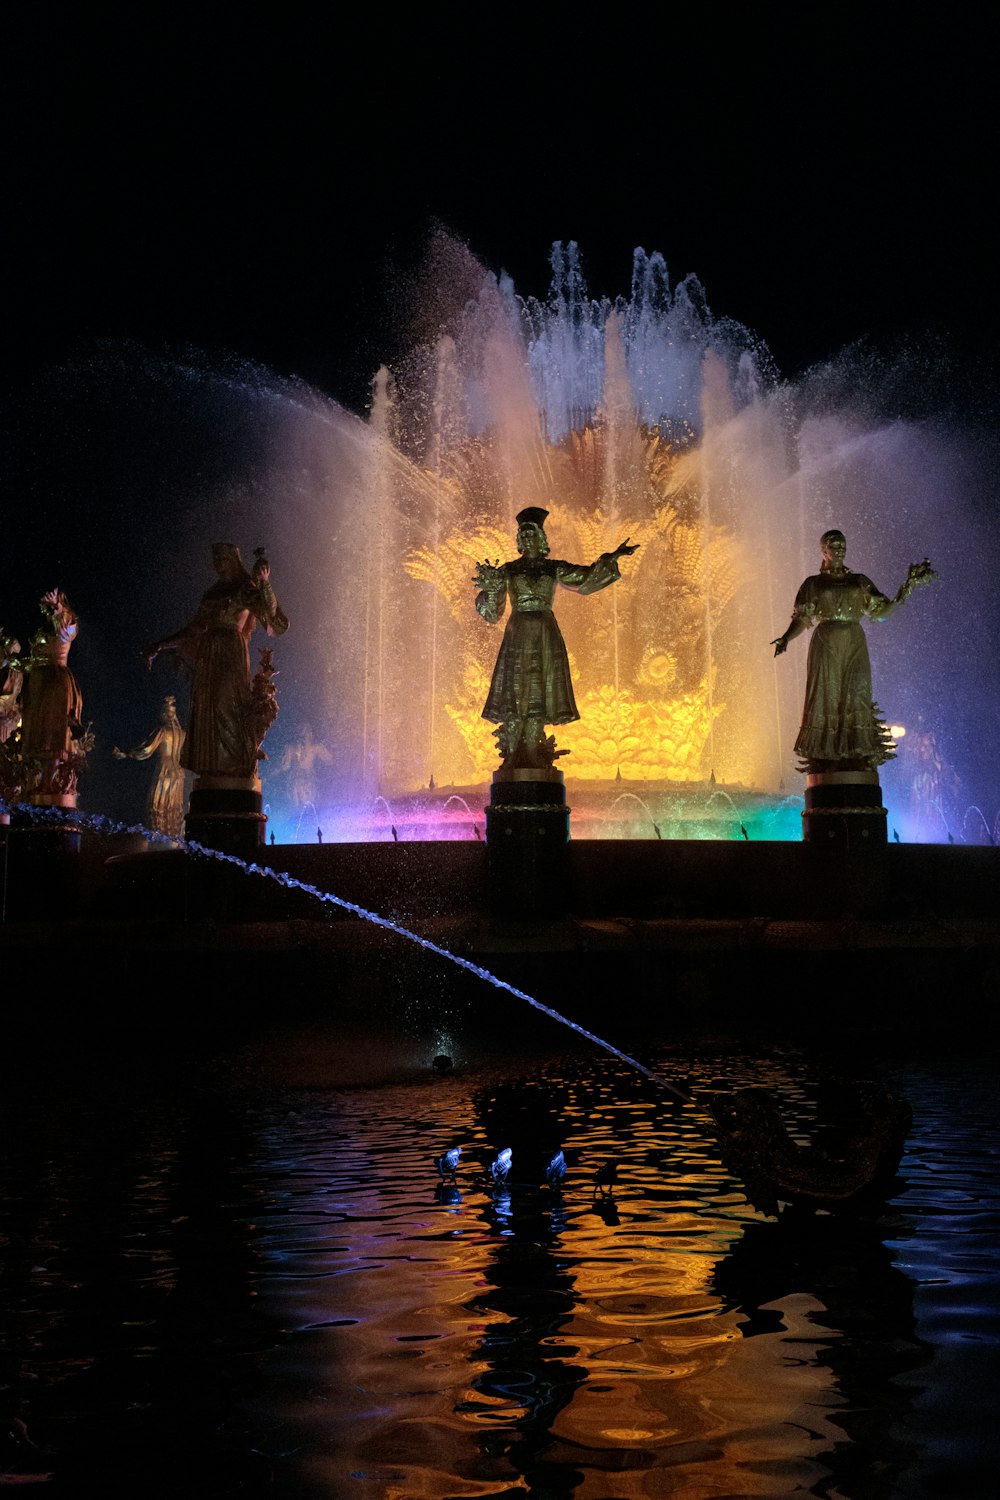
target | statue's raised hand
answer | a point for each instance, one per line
(916, 573)
(920, 572)
(488, 576)
(625, 549)
(261, 571)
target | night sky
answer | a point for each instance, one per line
(264, 186)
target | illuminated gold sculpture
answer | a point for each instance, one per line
(54, 743)
(841, 728)
(224, 738)
(642, 670)
(165, 807)
(531, 685)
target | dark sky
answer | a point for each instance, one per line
(256, 185)
(264, 185)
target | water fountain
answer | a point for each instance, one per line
(641, 416)
(581, 1336)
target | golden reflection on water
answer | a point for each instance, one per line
(475, 1342)
(271, 1288)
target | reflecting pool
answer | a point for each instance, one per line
(216, 1282)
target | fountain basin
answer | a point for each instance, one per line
(647, 879)
(606, 810)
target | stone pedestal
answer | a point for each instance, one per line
(844, 809)
(39, 867)
(527, 840)
(227, 813)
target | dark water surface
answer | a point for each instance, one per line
(225, 1285)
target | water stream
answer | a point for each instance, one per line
(100, 824)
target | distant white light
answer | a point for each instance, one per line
(897, 731)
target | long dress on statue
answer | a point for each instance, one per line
(531, 678)
(220, 738)
(166, 797)
(840, 720)
(51, 703)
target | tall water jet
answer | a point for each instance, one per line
(642, 416)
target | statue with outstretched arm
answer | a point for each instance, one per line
(531, 685)
(841, 729)
(165, 806)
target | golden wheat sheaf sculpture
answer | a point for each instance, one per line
(643, 679)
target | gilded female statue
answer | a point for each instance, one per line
(531, 684)
(841, 729)
(53, 743)
(221, 737)
(50, 701)
(165, 808)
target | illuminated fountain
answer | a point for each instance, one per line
(642, 417)
(593, 410)
(374, 526)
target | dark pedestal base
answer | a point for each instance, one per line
(527, 840)
(39, 870)
(228, 819)
(844, 809)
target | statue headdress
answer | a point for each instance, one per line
(532, 515)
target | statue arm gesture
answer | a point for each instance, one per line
(917, 573)
(491, 581)
(796, 625)
(176, 642)
(489, 576)
(880, 608)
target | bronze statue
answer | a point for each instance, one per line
(11, 678)
(841, 729)
(222, 738)
(54, 743)
(531, 684)
(165, 806)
